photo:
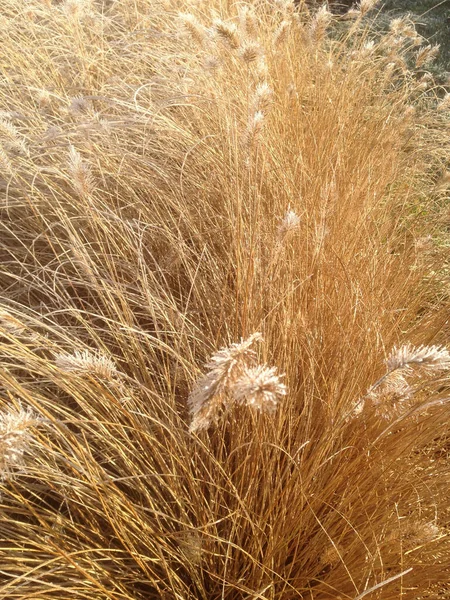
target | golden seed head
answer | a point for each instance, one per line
(193, 28)
(290, 223)
(228, 33)
(87, 362)
(14, 439)
(82, 178)
(248, 22)
(281, 33)
(223, 369)
(260, 388)
(366, 5)
(250, 52)
(429, 358)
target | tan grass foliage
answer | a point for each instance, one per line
(176, 176)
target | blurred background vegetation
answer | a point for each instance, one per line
(432, 20)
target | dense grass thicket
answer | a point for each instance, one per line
(224, 304)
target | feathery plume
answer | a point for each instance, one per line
(78, 105)
(320, 23)
(286, 7)
(365, 51)
(13, 141)
(10, 324)
(394, 384)
(430, 358)
(44, 98)
(14, 439)
(191, 547)
(388, 393)
(413, 534)
(424, 243)
(224, 369)
(228, 33)
(254, 127)
(417, 534)
(87, 362)
(409, 112)
(5, 163)
(211, 63)
(248, 23)
(426, 55)
(51, 134)
(250, 51)
(193, 27)
(281, 33)
(402, 27)
(352, 13)
(82, 178)
(389, 397)
(366, 5)
(290, 222)
(7, 129)
(260, 388)
(262, 98)
(261, 70)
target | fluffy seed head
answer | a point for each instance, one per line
(228, 33)
(352, 13)
(223, 369)
(366, 5)
(254, 128)
(192, 27)
(290, 222)
(8, 130)
(5, 164)
(263, 97)
(426, 55)
(331, 556)
(444, 180)
(429, 358)
(416, 534)
(281, 33)
(250, 51)
(12, 140)
(320, 23)
(286, 7)
(87, 362)
(44, 98)
(78, 105)
(403, 28)
(248, 22)
(14, 439)
(191, 546)
(390, 396)
(10, 324)
(82, 178)
(211, 63)
(259, 387)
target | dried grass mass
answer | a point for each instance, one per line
(176, 176)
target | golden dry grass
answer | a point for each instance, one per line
(176, 178)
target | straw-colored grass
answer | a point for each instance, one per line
(224, 308)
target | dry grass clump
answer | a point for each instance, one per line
(189, 184)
